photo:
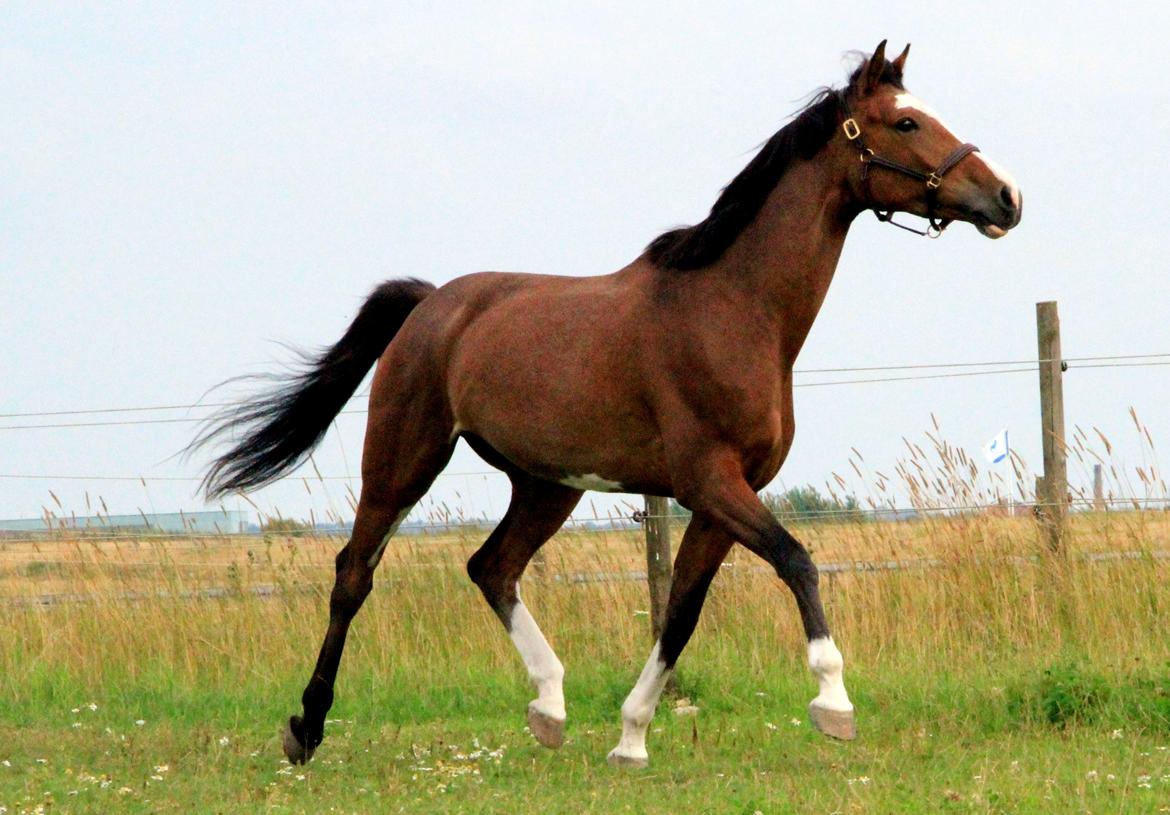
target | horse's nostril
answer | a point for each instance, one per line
(1007, 196)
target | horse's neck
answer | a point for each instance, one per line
(787, 257)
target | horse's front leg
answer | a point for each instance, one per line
(733, 504)
(702, 550)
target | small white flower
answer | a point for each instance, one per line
(1117, 734)
(139, 722)
(92, 706)
(6, 763)
(770, 726)
(1091, 775)
(224, 741)
(795, 722)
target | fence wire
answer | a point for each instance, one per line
(997, 366)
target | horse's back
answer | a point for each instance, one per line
(540, 367)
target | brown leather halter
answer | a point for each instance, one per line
(933, 180)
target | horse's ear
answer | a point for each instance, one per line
(900, 62)
(871, 77)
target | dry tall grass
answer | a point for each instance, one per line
(988, 593)
(978, 589)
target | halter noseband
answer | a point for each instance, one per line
(933, 180)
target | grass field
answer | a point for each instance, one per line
(1001, 681)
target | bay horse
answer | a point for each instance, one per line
(670, 377)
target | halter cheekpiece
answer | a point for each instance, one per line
(932, 179)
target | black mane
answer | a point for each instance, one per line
(693, 247)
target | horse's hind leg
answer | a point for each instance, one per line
(395, 476)
(536, 512)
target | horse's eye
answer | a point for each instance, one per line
(906, 125)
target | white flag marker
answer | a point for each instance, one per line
(996, 450)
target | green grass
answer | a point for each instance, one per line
(955, 744)
(980, 687)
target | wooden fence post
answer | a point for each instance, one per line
(1054, 501)
(658, 568)
(1098, 488)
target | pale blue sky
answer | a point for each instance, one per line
(183, 187)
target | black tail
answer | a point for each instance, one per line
(282, 427)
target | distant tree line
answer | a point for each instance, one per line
(801, 504)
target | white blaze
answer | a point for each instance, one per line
(1003, 175)
(908, 101)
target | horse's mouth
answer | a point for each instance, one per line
(996, 227)
(990, 230)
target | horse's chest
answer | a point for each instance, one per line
(766, 448)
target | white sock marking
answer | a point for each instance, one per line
(544, 669)
(826, 662)
(376, 558)
(638, 709)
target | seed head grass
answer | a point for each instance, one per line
(989, 673)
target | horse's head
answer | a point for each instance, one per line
(907, 160)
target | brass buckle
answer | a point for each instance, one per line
(934, 181)
(851, 128)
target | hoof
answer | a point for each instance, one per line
(548, 731)
(294, 749)
(616, 759)
(837, 724)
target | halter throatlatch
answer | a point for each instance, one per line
(933, 179)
